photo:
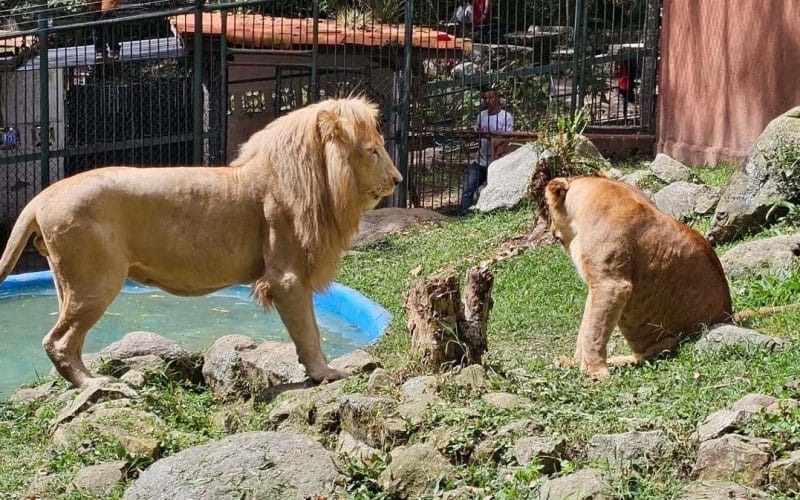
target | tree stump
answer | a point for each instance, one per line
(444, 330)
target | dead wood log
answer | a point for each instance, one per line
(444, 330)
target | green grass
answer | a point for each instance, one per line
(538, 305)
(716, 176)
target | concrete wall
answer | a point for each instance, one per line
(727, 68)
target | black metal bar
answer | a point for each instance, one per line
(649, 74)
(579, 31)
(315, 53)
(197, 85)
(223, 50)
(44, 101)
(401, 196)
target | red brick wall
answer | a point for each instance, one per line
(727, 68)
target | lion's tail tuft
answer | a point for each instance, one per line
(20, 234)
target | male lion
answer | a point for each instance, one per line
(654, 277)
(278, 217)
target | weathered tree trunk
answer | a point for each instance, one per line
(445, 331)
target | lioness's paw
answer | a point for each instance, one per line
(328, 375)
(564, 361)
(624, 360)
(600, 373)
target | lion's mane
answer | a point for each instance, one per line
(302, 159)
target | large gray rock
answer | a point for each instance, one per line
(762, 257)
(734, 458)
(586, 484)
(508, 178)
(136, 349)
(376, 225)
(32, 395)
(271, 364)
(96, 392)
(249, 465)
(358, 361)
(110, 422)
(472, 377)
(312, 411)
(547, 450)
(222, 366)
(760, 182)
(718, 490)
(669, 170)
(683, 200)
(724, 335)
(630, 448)
(754, 403)
(506, 401)
(785, 473)
(721, 422)
(372, 419)
(144, 343)
(639, 179)
(100, 478)
(414, 471)
(349, 447)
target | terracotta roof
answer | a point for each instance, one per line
(256, 31)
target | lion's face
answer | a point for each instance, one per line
(374, 169)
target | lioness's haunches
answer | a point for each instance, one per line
(654, 277)
(279, 217)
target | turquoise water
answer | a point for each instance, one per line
(193, 322)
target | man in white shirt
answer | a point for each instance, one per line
(490, 122)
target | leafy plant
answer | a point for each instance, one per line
(562, 142)
(362, 478)
(785, 162)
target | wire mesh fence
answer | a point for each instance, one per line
(165, 82)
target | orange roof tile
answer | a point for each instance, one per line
(256, 31)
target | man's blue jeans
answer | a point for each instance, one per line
(476, 176)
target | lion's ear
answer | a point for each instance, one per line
(330, 127)
(556, 192)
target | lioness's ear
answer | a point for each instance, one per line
(556, 191)
(330, 127)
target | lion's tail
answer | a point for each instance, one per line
(763, 311)
(20, 234)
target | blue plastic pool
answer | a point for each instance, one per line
(28, 309)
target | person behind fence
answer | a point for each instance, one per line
(476, 11)
(628, 73)
(493, 120)
(106, 41)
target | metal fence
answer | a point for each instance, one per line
(166, 82)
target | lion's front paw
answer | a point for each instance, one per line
(564, 361)
(328, 375)
(597, 373)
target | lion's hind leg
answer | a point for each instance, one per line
(84, 294)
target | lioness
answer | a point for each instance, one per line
(654, 277)
(278, 217)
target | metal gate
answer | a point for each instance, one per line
(175, 82)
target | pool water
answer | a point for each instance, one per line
(193, 322)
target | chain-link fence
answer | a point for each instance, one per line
(167, 82)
